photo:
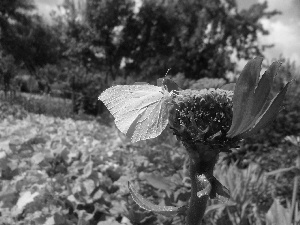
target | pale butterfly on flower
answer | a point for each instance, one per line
(140, 110)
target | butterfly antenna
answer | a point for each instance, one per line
(167, 72)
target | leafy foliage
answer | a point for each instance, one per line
(62, 182)
(271, 139)
(61, 171)
(251, 195)
(56, 171)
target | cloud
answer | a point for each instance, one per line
(284, 36)
(45, 7)
(284, 30)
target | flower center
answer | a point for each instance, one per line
(202, 116)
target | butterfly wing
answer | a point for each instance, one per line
(140, 111)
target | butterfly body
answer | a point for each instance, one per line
(140, 110)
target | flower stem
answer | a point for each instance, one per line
(295, 188)
(200, 163)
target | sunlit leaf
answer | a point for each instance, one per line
(38, 158)
(88, 169)
(277, 214)
(149, 206)
(158, 182)
(89, 186)
(50, 221)
(25, 198)
(108, 223)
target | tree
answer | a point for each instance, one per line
(195, 37)
(15, 11)
(7, 71)
(14, 21)
(26, 36)
(89, 34)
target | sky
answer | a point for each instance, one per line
(284, 29)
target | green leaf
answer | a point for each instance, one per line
(50, 221)
(37, 158)
(295, 140)
(89, 186)
(258, 103)
(2, 154)
(215, 207)
(293, 169)
(25, 198)
(244, 91)
(277, 214)
(270, 113)
(88, 169)
(149, 206)
(108, 223)
(158, 182)
(221, 192)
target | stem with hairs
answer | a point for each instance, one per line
(200, 163)
(295, 188)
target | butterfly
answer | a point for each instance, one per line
(140, 110)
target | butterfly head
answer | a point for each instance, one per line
(169, 85)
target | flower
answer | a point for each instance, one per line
(219, 118)
(203, 116)
(210, 121)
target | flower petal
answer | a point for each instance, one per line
(244, 90)
(269, 114)
(258, 103)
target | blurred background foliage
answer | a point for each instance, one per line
(93, 44)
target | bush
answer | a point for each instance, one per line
(202, 83)
(43, 104)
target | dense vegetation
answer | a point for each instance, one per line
(62, 161)
(89, 46)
